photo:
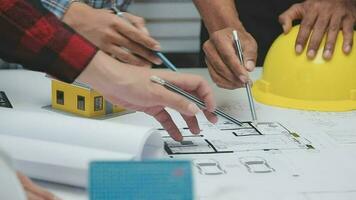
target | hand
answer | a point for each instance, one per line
(319, 18)
(223, 63)
(33, 191)
(128, 42)
(130, 87)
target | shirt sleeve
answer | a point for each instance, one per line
(57, 7)
(30, 35)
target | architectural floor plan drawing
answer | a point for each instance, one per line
(255, 164)
(226, 137)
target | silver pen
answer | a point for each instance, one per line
(247, 85)
(192, 98)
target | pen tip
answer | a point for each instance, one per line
(234, 33)
(157, 79)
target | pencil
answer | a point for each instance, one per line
(194, 99)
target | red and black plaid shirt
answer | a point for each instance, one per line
(32, 36)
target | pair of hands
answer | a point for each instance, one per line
(318, 18)
(127, 85)
(125, 38)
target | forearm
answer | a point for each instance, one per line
(33, 37)
(218, 14)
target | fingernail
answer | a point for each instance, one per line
(299, 48)
(157, 47)
(193, 108)
(250, 65)
(196, 131)
(327, 54)
(178, 138)
(214, 120)
(157, 61)
(311, 53)
(347, 48)
(243, 78)
(284, 26)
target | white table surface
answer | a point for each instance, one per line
(31, 90)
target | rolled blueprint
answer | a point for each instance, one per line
(110, 136)
(55, 162)
(58, 143)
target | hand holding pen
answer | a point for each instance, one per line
(240, 54)
(223, 64)
(127, 42)
(178, 90)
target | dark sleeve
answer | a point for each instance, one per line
(30, 35)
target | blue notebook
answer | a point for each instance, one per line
(151, 180)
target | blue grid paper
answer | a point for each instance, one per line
(146, 180)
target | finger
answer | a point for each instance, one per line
(304, 31)
(134, 34)
(211, 117)
(127, 57)
(137, 21)
(220, 81)
(347, 31)
(250, 53)
(333, 31)
(31, 187)
(134, 47)
(163, 117)
(43, 193)
(319, 30)
(137, 49)
(217, 63)
(287, 17)
(192, 123)
(228, 55)
(170, 99)
(32, 196)
(40, 192)
(195, 84)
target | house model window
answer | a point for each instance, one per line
(81, 103)
(60, 97)
(80, 99)
(98, 103)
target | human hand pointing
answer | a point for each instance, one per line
(130, 87)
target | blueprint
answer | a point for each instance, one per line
(226, 137)
(296, 155)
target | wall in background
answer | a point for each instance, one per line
(175, 23)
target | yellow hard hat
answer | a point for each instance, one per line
(294, 81)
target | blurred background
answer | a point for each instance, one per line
(176, 24)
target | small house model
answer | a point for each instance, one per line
(80, 99)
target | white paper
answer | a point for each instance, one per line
(44, 144)
(55, 162)
(89, 133)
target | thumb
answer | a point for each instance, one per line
(250, 54)
(286, 18)
(177, 102)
